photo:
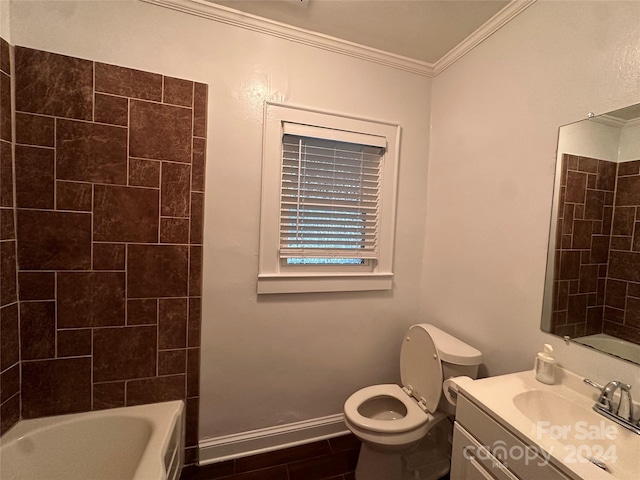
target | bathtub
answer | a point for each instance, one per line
(145, 442)
(615, 346)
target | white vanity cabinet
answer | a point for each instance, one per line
(485, 450)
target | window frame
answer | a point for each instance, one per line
(273, 275)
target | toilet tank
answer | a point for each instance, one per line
(458, 358)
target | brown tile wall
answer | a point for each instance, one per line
(597, 284)
(622, 300)
(109, 187)
(9, 333)
(582, 244)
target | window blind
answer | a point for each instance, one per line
(330, 194)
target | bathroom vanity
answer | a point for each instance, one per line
(513, 427)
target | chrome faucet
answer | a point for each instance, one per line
(605, 404)
(625, 392)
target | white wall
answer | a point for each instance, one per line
(495, 119)
(275, 359)
(5, 21)
(630, 142)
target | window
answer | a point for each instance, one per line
(328, 202)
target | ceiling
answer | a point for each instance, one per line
(423, 30)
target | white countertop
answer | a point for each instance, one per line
(495, 396)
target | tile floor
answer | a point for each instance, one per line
(333, 459)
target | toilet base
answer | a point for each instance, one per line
(429, 459)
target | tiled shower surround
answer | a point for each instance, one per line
(597, 271)
(9, 339)
(109, 187)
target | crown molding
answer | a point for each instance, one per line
(230, 16)
(632, 123)
(609, 121)
(492, 25)
(606, 119)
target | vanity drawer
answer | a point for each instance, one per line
(508, 449)
(471, 461)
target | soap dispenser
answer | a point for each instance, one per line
(546, 366)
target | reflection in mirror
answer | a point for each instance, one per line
(592, 288)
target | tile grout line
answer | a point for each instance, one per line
(157, 338)
(126, 245)
(93, 64)
(158, 237)
(128, 142)
(190, 199)
(55, 208)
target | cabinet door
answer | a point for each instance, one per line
(486, 430)
(471, 461)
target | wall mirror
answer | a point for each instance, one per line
(592, 287)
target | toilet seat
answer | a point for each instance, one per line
(421, 368)
(414, 418)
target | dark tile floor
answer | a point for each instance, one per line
(333, 459)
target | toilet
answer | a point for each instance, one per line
(406, 430)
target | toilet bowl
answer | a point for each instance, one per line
(385, 416)
(402, 427)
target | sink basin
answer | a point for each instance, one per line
(583, 435)
(544, 407)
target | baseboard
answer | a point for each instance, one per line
(237, 445)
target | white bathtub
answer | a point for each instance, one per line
(615, 346)
(132, 443)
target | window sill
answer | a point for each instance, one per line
(344, 282)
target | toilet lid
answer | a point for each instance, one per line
(420, 367)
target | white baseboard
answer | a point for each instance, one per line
(228, 447)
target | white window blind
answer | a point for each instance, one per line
(330, 195)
